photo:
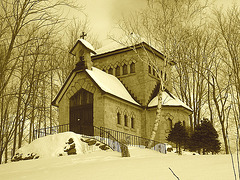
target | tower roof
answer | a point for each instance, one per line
(85, 44)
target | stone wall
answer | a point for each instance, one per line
(174, 113)
(81, 80)
(113, 106)
(141, 84)
(105, 107)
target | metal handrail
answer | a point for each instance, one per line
(112, 138)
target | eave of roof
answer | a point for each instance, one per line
(128, 48)
(169, 100)
(123, 94)
(85, 44)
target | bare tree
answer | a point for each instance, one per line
(227, 26)
(161, 24)
(25, 26)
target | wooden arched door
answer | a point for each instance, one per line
(81, 113)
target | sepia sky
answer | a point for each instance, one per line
(103, 14)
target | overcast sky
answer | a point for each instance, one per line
(102, 14)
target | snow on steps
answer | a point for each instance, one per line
(59, 145)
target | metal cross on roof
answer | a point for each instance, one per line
(83, 35)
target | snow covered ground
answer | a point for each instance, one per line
(91, 163)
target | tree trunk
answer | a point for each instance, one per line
(158, 118)
(225, 138)
(6, 153)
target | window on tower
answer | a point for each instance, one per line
(132, 67)
(118, 71)
(125, 71)
(149, 69)
(110, 70)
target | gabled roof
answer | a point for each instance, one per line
(85, 44)
(106, 82)
(169, 100)
(110, 84)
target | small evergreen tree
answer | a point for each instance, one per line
(205, 138)
(179, 136)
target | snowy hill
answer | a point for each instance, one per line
(53, 145)
(92, 163)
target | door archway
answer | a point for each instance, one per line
(81, 112)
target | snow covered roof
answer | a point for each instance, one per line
(112, 46)
(110, 84)
(168, 100)
(85, 43)
(126, 44)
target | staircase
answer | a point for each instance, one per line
(107, 136)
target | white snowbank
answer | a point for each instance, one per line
(103, 165)
(53, 145)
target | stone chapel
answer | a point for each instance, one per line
(116, 87)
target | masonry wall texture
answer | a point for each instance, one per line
(140, 84)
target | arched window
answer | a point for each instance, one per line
(149, 69)
(154, 72)
(125, 120)
(165, 77)
(118, 71)
(125, 71)
(132, 122)
(132, 67)
(110, 70)
(169, 124)
(118, 118)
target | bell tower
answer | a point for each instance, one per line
(83, 50)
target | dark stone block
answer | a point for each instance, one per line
(72, 152)
(70, 141)
(92, 142)
(104, 147)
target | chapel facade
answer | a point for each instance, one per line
(116, 87)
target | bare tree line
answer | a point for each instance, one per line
(34, 63)
(204, 44)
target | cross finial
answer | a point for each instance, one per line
(83, 35)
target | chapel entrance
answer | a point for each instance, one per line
(81, 113)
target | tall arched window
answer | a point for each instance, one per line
(132, 67)
(118, 118)
(125, 120)
(110, 70)
(132, 122)
(125, 71)
(149, 69)
(169, 124)
(118, 71)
